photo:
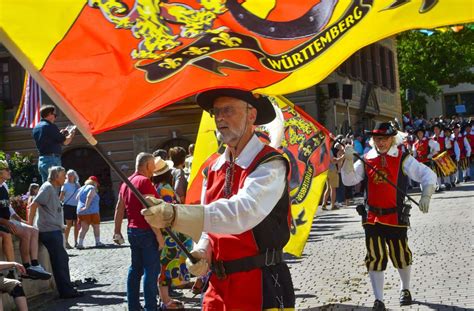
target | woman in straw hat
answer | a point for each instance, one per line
(173, 262)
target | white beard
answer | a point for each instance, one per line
(219, 136)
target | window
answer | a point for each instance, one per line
(363, 64)
(5, 92)
(467, 99)
(373, 64)
(376, 71)
(450, 102)
(343, 68)
(453, 100)
(391, 69)
(383, 63)
(355, 65)
(11, 81)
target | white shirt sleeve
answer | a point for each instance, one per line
(253, 202)
(419, 172)
(457, 150)
(447, 143)
(468, 147)
(353, 177)
(203, 191)
(434, 147)
(413, 150)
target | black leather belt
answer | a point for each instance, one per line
(50, 155)
(223, 268)
(382, 211)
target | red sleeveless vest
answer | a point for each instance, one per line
(422, 150)
(460, 139)
(382, 195)
(470, 139)
(440, 141)
(243, 290)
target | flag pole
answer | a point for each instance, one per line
(98, 148)
(81, 124)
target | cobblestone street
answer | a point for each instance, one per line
(331, 274)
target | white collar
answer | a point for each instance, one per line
(250, 151)
(372, 154)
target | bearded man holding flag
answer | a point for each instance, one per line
(244, 213)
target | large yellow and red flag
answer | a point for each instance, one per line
(110, 62)
(306, 145)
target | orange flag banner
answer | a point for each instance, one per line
(114, 61)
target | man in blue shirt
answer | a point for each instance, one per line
(358, 147)
(49, 140)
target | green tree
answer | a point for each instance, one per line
(428, 61)
(23, 171)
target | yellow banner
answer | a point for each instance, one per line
(355, 24)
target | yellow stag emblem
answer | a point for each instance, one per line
(377, 178)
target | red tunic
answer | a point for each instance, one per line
(243, 290)
(422, 150)
(462, 148)
(470, 139)
(440, 140)
(382, 195)
(450, 150)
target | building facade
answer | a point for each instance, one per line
(458, 100)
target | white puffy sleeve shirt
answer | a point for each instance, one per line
(260, 193)
(411, 167)
(457, 149)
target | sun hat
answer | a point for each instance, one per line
(162, 166)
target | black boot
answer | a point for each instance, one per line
(453, 184)
(378, 306)
(405, 297)
(448, 186)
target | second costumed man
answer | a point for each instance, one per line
(385, 216)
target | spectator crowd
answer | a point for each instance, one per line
(61, 210)
(436, 142)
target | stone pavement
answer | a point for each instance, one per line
(330, 275)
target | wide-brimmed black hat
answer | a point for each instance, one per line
(438, 125)
(382, 129)
(265, 111)
(420, 129)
